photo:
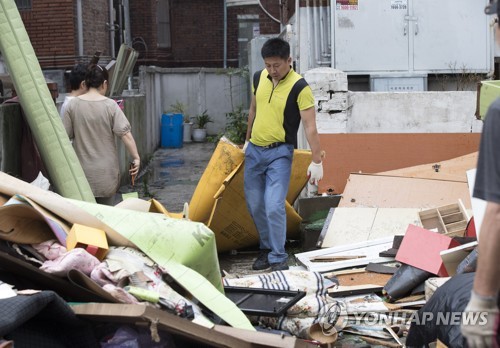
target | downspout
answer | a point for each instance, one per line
(111, 29)
(332, 35)
(224, 64)
(128, 34)
(79, 19)
(297, 26)
(308, 22)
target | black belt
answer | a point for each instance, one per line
(270, 146)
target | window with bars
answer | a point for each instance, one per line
(23, 4)
(163, 18)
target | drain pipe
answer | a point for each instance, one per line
(111, 29)
(128, 34)
(297, 42)
(224, 64)
(308, 26)
(79, 20)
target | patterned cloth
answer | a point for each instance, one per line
(309, 310)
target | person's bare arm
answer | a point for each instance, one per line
(130, 145)
(251, 118)
(485, 284)
(309, 122)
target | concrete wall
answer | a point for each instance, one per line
(412, 112)
(198, 89)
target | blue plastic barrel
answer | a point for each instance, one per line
(171, 130)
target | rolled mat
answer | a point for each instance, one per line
(63, 166)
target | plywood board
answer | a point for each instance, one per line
(374, 190)
(369, 249)
(454, 169)
(379, 152)
(352, 225)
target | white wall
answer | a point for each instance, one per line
(198, 89)
(413, 112)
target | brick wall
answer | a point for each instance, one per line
(144, 32)
(95, 32)
(50, 26)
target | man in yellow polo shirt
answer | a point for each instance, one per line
(281, 99)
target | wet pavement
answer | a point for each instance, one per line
(171, 175)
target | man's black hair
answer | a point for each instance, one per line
(276, 47)
(76, 76)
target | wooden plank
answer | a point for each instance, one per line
(379, 152)
(374, 190)
(370, 249)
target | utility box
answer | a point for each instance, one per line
(412, 36)
(398, 83)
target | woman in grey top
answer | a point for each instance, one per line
(92, 120)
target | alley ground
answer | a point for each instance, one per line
(171, 176)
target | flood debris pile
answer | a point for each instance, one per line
(380, 264)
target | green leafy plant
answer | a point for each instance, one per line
(236, 125)
(201, 120)
(180, 108)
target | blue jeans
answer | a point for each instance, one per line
(267, 176)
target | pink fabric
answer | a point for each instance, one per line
(77, 258)
(120, 294)
(50, 249)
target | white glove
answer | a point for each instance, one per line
(315, 172)
(245, 146)
(482, 312)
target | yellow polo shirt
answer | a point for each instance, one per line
(277, 117)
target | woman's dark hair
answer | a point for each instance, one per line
(276, 47)
(76, 76)
(96, 75)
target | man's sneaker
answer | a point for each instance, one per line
(279, 266)
(261, 262)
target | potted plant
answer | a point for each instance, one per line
(180, 108)
(200, 126)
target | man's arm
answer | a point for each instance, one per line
(483, 300)
(309, 122)
(486, 280)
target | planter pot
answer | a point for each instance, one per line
(187, 132)
(199, 135)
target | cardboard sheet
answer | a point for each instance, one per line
(380, 191)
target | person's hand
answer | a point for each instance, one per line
(245, 146)
(478, 323)
(315, 172)
(134, 167)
